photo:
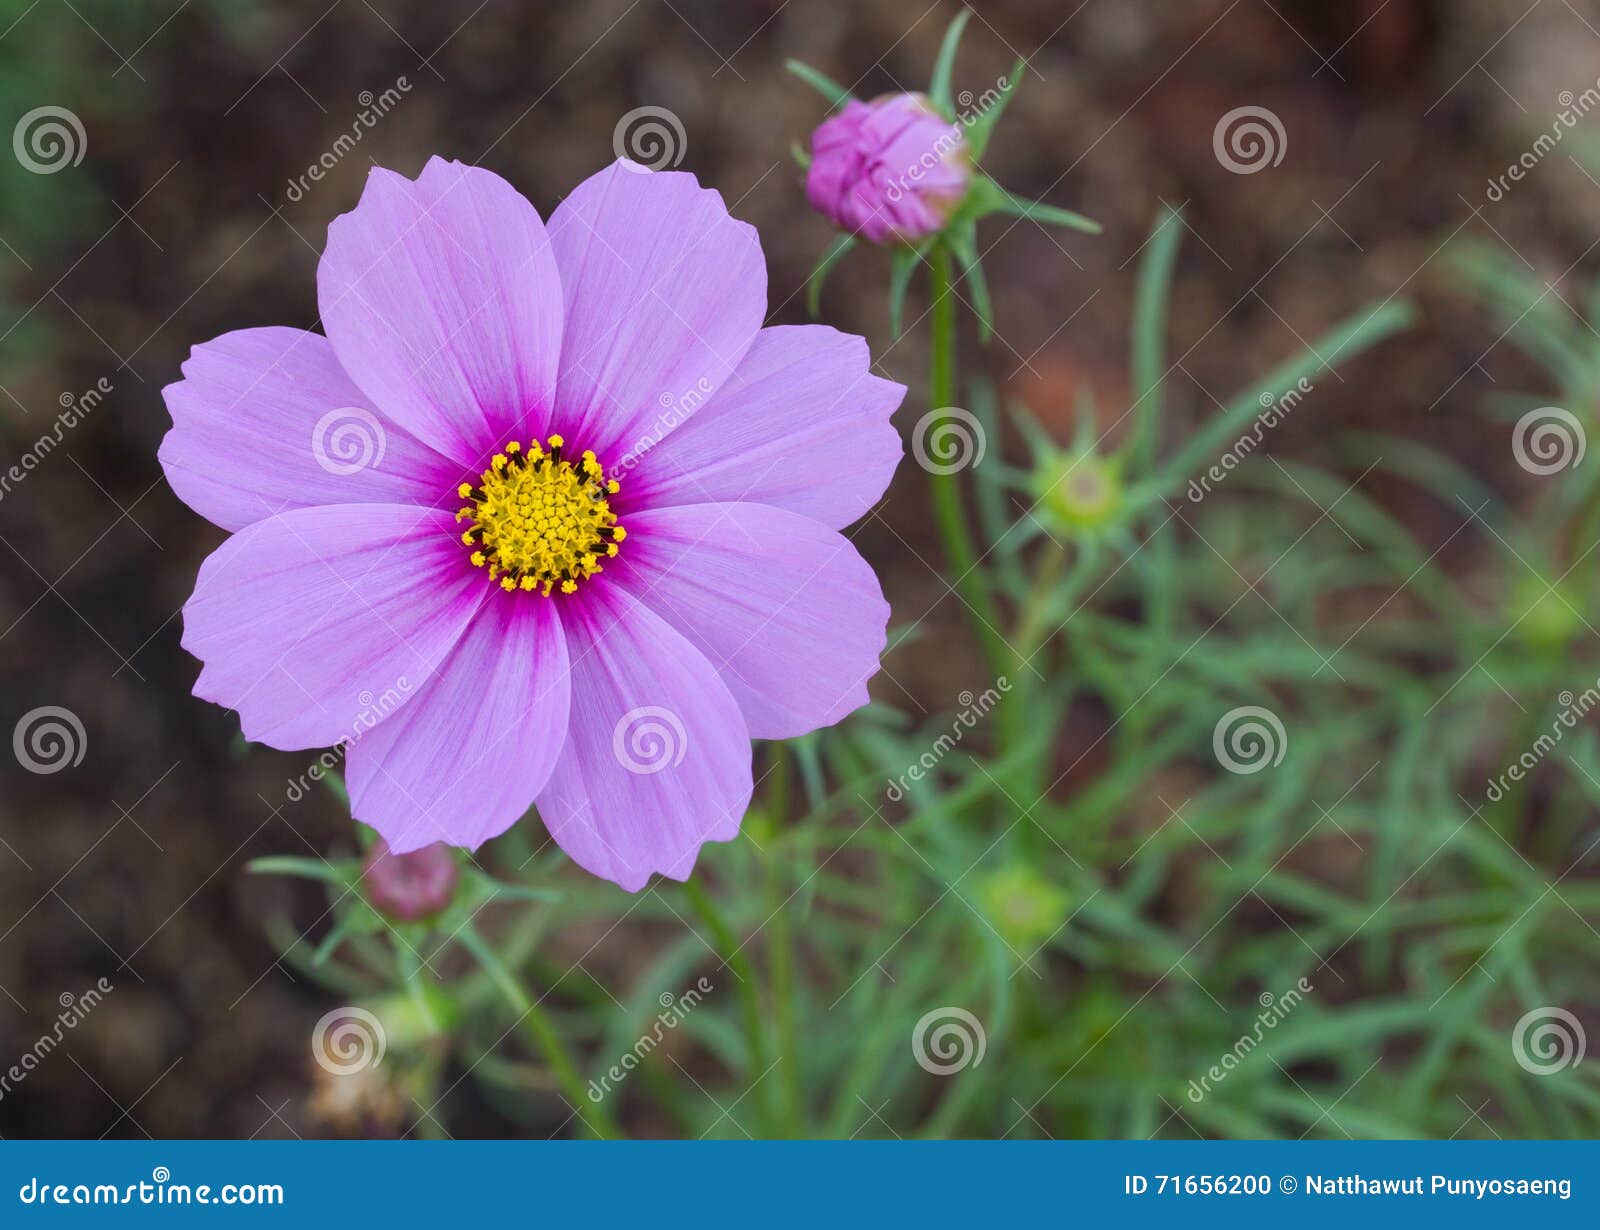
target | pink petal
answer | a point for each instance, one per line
(443, 302)
(266, 420)
(664, 294)
(837, 158)
(316, 624)
(802, 425)
(786, 609)
(657, 759)
(463, 760)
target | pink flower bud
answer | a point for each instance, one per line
(892, 170)
(409, 887)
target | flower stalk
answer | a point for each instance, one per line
(781, 955)
(727, 946)
(543, 1032)
(948, 506)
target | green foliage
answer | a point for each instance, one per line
(1065, 857)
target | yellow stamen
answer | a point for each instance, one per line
(539, 522)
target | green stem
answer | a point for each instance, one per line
(948, 509)
(1031, 631)
(733, 957)
(1018, 715)
(780, 949)
(544, 1033)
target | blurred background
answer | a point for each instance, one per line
(1406, 937)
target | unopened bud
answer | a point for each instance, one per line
(410, 887)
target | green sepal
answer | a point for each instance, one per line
(1034, 433)
(939, 86)
(343, 872)
(982, 128)
(988, 197)
(481, 888)
(823, 84)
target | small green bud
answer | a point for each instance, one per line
(1545, 617)
(1023, 906)
(1082, 492)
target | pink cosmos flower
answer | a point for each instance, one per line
(546, 517)
(892, 170)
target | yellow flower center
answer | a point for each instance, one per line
(539, 522)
